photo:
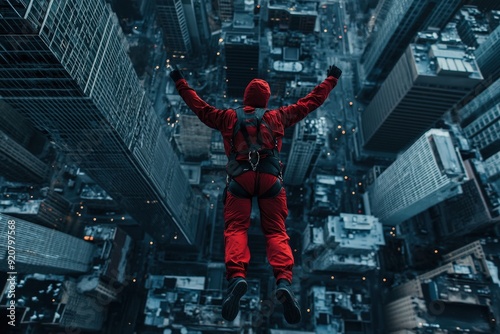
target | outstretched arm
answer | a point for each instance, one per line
(296, 112)
(208, 114)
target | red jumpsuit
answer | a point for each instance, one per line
(273, 210)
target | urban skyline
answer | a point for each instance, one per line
(111, 208)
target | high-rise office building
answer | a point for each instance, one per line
(487, 55)
(481, 120)
(242, 48)
(172, 19)
(472, 210)
(43, 250)
(308, 140)
(402, 22)
(485, 4)
(185, 26)
(65, 67)
(18, 164)
(425, 83)
(428, 172)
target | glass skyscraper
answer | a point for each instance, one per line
(65, 67)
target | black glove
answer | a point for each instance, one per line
(334, 71)
(176, 74)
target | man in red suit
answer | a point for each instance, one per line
(252, 138)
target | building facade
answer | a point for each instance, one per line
(427, 173)
(425, 83)
(43, 250)
(74, 80)
(308, 139)
(400, 25)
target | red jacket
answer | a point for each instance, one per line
(256, 96)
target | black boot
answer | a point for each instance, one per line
(291, 308)
(231, 304)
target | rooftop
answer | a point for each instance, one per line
(353, 231)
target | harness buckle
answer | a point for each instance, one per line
(250, 159)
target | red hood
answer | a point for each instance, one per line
(257, 94)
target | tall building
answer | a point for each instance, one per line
(354, 234)
(481, 120)
(308, 140)
(65, 67)
(292, 16)
(185, 27)
(428, 172)
(425, 83)
(226, 9)
(347, 242)
(242, 49)
(171, 17)
(43, 250)
(401, 24)
(450, 297)
(487, 55)
(18, 164)
(472, 210)
(20, 144)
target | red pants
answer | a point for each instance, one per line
(273, 213)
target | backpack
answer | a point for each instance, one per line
(253, 145)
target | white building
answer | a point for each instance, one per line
(427, 173)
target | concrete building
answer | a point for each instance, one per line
(226, 9)
(308, 139)
(492, 167)
(50, 210)
(480, 120)
(193, 137)
(424, 84)
(427, 173)
(326, 195)
(353, 234)
(108, 276)
(487, 55)
(74, 79)
(292, 16)
(476, 208)
(400, 25)
(175, 302)
(48, 303)
(43, 250)
(454, 295)
(313, 241)
(473, 26)
(349, 243)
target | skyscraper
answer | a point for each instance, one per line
(18, 164)
(425, 83)
(402, 22)
(65, 67)
(428, 172)
(308, 140)
(241, 47)
(43, 250)
(171, 17)
(185, 26)
(481, 120)
(487, 55)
